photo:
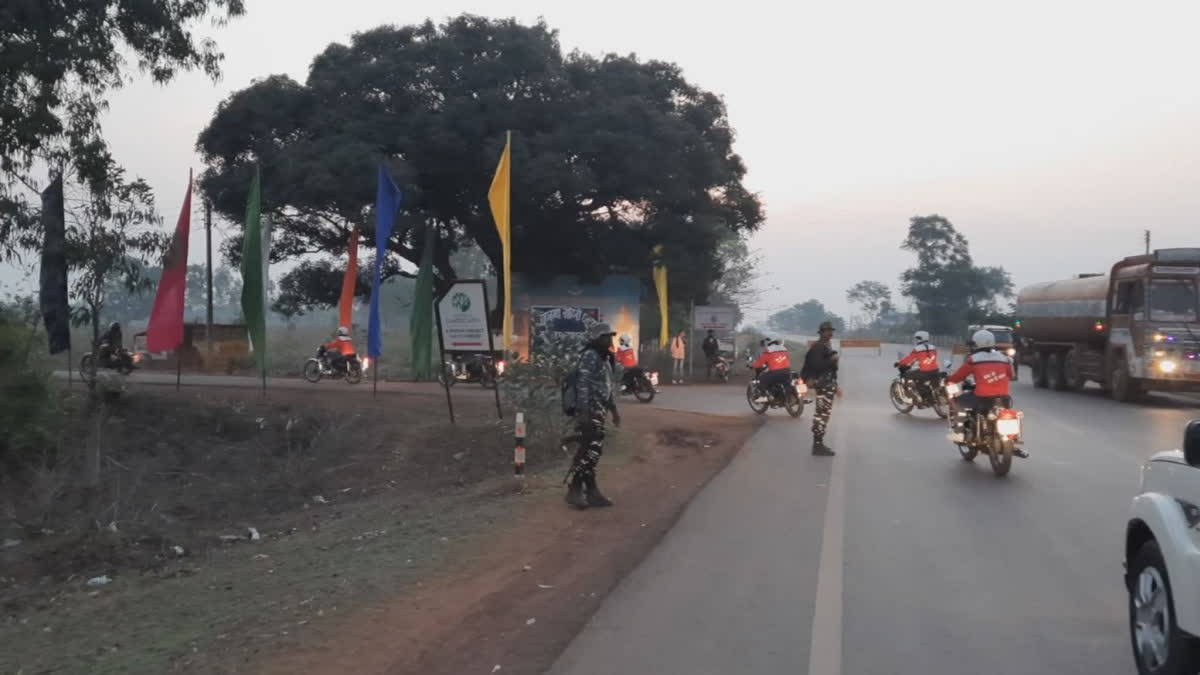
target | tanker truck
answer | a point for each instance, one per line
(1133, 330)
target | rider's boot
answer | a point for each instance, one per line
(819, 448)
(575, 496)
(594, 496)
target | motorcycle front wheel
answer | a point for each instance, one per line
(85, 367)
(794, 404)
(751, 393)
(353, 371)
(941, 404)
(445, 377)
(897, 394)
(1001, 455)
(312, 370)
(487, 379)
(643, 391)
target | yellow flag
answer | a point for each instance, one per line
(500, 199)
(660, 284)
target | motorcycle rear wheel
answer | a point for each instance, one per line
(312, 370)
(896, 393)
(643, 391)
(794, 404)
(1001, 455)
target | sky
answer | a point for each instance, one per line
(1050, 133)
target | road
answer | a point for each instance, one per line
(896, 557)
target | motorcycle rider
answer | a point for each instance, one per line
(992, 372)
(110, 344)
(925, 357)
(778, 362)
(711, 348)
(593, 402)
(627, 359)
(340, 349)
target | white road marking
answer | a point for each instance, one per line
(825, 649)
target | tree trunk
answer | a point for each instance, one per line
(93, 454)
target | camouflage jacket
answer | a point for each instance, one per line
(595, 381)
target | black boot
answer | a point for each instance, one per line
(575, 496)
(819, 448)
(594, 496)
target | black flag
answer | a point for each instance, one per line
(53, 293)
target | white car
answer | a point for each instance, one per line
(1162, 562)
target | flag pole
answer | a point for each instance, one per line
(375, 379)
(178, 366)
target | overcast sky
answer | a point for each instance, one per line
(1050, 133)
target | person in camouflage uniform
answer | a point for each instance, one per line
(820, 373)
(593, 402)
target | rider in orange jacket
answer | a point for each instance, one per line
(340, 349)
(992, 372)
(778, 363)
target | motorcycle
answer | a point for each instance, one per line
(319, 366)
(720, 367)
(907, 394)
(642, 384)
(790, 396)
(121, 360)
(482, 368)
(995, 432)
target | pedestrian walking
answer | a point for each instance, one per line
(593, 402)
(678, 354)
(820, 373)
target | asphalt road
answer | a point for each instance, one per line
(896, 557)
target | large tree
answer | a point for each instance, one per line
(59, 60)
(611, 156)
(874, 297)
(945, 285)
(804, 317)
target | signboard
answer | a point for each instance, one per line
(715, 318)
(563, 305)
(462, 314)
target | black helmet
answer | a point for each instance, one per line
(825, 325)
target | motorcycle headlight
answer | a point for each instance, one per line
(1010, 351)
(1168, 366)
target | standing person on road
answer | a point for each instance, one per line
(711, 349)
(678, 354)
(593, 402)
(820, 373)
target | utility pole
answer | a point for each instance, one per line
(208, 332)
(1147, 242)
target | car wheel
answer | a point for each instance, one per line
(1159, 647)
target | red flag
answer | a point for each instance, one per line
(349, 282)
(165, 331)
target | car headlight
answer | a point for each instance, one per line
(1168, 366)
(1190, 513)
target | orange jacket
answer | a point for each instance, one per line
(925, 356)
(775, 357)
(627, 357)
(992, 370)
(342, 344)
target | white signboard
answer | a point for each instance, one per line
(463, 318)
(714, 318)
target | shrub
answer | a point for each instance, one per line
(534, 386)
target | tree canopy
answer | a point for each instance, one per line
(945, 285)
(804, 318)
(58, 61)
(611, 155)
(874, 297)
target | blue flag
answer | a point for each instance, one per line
(387, 203)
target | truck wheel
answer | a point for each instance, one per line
(1039, 370)
(1124, 389)
(1054, 371)
(1072, 376)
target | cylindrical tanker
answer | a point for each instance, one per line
(1069, 310)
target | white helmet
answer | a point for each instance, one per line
(920, 337)
(983, 339)
(625, 343)
(343, 331)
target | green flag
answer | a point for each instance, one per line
(254, 277)
(421, 320)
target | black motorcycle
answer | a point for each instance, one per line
(907, 393)
(788, 396)
(111, 358)
(642, 384)
(321, 365)
(482, 368)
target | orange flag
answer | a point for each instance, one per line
(346, 305)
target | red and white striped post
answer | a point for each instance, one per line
(519, 450)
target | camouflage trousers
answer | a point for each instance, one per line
(826, 390)
(591, 445)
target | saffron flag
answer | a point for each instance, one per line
(660, 285)
(500, 199)
(349, 282)
(165, 331)
(52, 294)
(387, 203)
